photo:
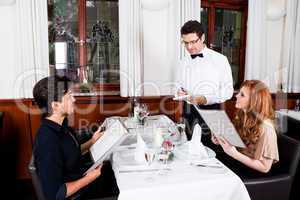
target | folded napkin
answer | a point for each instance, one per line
(139, 154)
(158, 137)
(196, 148)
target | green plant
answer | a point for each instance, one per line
(85, 87)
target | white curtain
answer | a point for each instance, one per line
(7, 2)
(7, 50)
(264, 41)
(159, 45)
(291, 50)
(32, 53)
(130, 47)
(190, 10)
(150, 43)
(256, 47)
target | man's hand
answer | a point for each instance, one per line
(181, 92)
(198, 100)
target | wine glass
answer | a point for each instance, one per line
(182, 136)
(143, 113)
(164, 157)
(149, 157)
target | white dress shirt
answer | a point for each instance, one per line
(209, 76)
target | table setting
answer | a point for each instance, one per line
(158, 162)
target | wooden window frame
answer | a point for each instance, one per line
(82, 49)
(240, 5)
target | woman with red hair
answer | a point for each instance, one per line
(254, 122)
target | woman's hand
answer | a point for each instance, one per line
(227, 147)
(214, 139)
(97, 135)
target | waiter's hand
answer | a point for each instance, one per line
(199, 100)
(181, 92)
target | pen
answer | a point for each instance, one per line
(182, 89)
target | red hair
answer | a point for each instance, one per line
(248, 123)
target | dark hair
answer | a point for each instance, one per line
(192, 26)
(48, 90)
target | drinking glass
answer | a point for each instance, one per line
(182, 136)
(143, 113)
(164, 157)
(149, 157)
(297, 106)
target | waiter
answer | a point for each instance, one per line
(204, 75)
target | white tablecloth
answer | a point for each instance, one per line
(281, 116)
(181, 181)
(291, 113)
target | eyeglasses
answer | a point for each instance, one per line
(193, 42)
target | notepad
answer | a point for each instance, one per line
(182, 98)
(104, 146)
(220, 125)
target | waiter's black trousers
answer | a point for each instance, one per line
(192, 117)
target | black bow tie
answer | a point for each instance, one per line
(195, 55)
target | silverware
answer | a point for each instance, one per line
(141, 170)
(131, 147)
(152, 119)
(212, 166)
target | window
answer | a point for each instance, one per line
(102, 29)
(87, 33)
(225, 25)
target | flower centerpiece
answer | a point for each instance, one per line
(167, 150)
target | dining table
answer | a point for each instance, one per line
(182, 177)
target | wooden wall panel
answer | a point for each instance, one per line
(16, 137)
(163, 105)
(91, 111)
(86, 114)
(284, 101)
